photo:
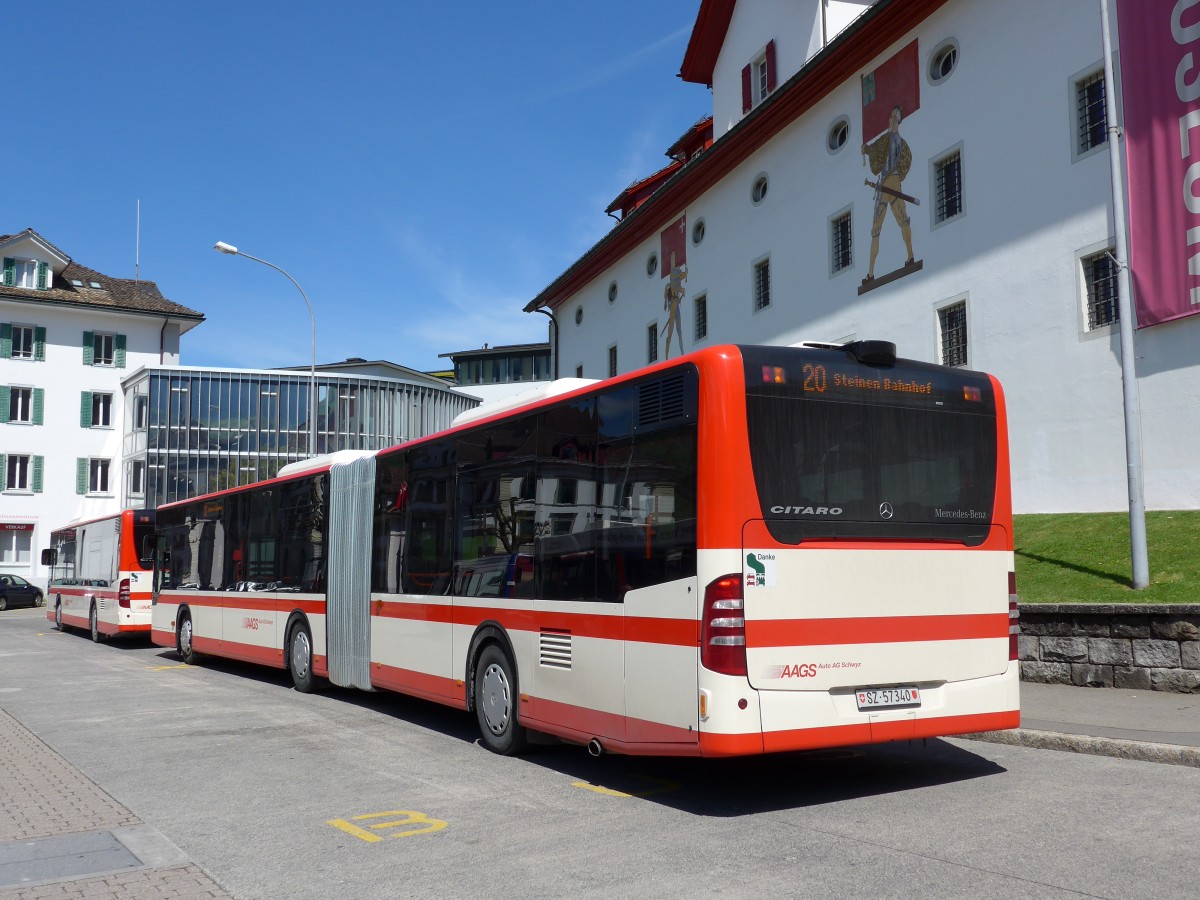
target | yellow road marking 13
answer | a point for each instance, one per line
(410, 817)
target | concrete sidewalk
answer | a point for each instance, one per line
(1155, 726)
(62, 837)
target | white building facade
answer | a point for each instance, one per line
(68, 335)
(993, 237)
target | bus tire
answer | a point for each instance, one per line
(93, 625)
(300, 659)
(58, 623)
(496, 702)
(183, 640)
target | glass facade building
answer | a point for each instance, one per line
(189, 431)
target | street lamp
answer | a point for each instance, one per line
(222, 247)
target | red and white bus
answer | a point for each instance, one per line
(100, 573)
(740, 551)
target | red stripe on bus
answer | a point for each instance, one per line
(419, 684)
(874, 630)
(247, 601)
(848, 735)
(252, 653)
(642, 629)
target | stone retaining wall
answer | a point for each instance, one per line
(1148, 647)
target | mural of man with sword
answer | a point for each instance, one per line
(890, 161)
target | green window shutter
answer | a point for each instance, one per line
(81, 473)
(89, 348)
(39, 343)
(119, 351)
(3, 472)
(10, 271)
(38, 464)
(42, 280)
(6, 341)
(39, 405)
(85, 409)
(4, 401)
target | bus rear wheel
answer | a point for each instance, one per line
(300, 659)
(496, 700)
(93, 625)
(183, 640)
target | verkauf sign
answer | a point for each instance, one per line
(1160, 82)
(16, 526)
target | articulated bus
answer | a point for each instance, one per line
(740, 551)
(100, 573)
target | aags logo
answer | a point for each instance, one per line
(799, 670)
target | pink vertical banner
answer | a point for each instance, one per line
(1160, 85)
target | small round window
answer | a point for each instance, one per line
(698, 231)
(759, 192)
(612, 293)
(839, 133)
(579, 315)
(652, 264)
(943, 61)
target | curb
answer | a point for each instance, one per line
(1145, 751)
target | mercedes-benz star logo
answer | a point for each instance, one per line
(885, 510)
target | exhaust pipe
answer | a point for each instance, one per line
(594, 747)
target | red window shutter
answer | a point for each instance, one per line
(746, 89)
(770, 66)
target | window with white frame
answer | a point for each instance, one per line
(952, 327)
(102, 349)
(20, 405)
(1091, 116)
(840, 242)
(612, 361)
(947, 187)
(17, 471)
(22, 342)
(652, 343)
(101, 410)
(1100, 283)
(98, 476)
(15, 547)
(762, 284)
(26, 273)
(700, 316)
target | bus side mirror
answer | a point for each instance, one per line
(50, 557)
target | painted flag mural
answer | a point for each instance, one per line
(896, 82)
(673, 241)
(1160, 88)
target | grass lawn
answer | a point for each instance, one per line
(1084, 558)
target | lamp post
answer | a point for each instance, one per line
(222, 247)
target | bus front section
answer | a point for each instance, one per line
(862, 590)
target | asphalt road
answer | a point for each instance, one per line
(273, 793)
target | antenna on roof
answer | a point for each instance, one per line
(137, 243)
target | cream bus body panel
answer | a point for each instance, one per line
(568, 666)
(661, 679)
(910, 595)
(411, 633)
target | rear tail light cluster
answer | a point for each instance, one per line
(123, 594)
(1014, 618)
(723, 635)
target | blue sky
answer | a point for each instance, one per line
(423, 169)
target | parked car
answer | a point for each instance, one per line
(16, 591)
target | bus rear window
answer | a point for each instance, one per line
(872, 466)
